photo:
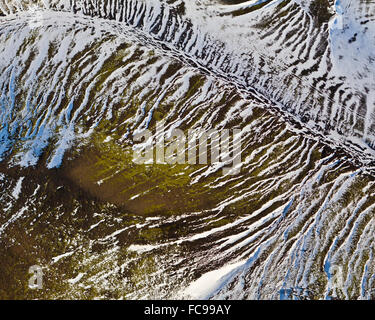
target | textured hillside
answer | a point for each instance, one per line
(79, 78)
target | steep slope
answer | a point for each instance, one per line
(79, 78)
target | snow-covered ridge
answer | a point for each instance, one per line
(303, 74)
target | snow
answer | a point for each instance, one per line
(209, 282)
(77, 278)
(58, 258)
(17, 189)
